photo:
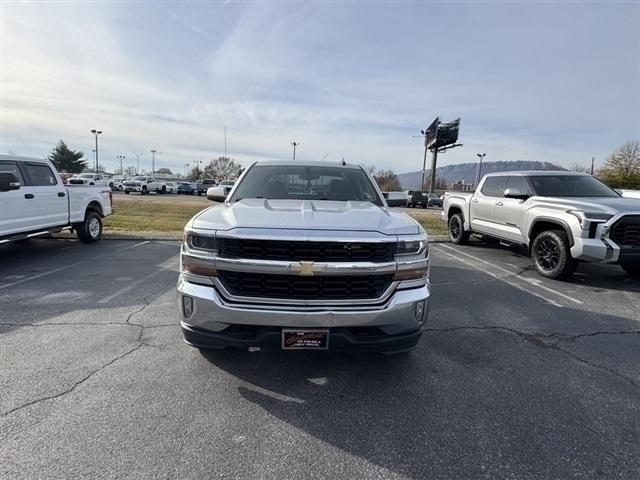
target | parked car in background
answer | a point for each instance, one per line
(396, 199)
(144, 185)
(203, 185)
(416, 198)
(219, 192)
(116, 183)
(434, 200)
(562, 218)
(34, 202)
(630, 193)
(171, 187)
(186, 188)
(96, 179)
(304, 255)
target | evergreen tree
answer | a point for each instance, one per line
(67, 160)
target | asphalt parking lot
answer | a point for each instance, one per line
(516, 377)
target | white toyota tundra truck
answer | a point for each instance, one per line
(562, 218)
(304, 255)
(34, 202)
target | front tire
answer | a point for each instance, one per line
(145, 191)
(551, 255)
(456, 230)
(632, 269)
(90, 230)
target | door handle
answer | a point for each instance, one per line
(499, 204)
(475, 200)
(61, 194)
(29, 195)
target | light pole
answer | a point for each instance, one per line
(186, 169)
(121, 158)
(138, 155)
(197, 168)
(95, 134)
(479, 169)
(153, 163)
(294, 145)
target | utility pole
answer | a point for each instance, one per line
(295, 144)
(95, 134)
(479, 167)
(593, 159)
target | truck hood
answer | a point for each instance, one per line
(611, 205)
(305, 215)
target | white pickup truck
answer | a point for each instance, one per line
(561, 217)
(35, 202)
(143, 185)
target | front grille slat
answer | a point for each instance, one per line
(245, 284)
(309, 251)
(626, 232)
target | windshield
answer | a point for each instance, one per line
(140, 178)
(570, 186)
(86, 175)
(307, 183)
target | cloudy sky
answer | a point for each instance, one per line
(549, 81)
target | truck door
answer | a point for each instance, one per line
(15, 211)
(483, 205)
(45, 196)
(509, 212)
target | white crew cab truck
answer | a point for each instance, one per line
(304, 255)
(144, 185)
(561, 217)
(35, 202)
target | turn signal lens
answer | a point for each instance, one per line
(187, 306)
(198, 266)
(412, 274)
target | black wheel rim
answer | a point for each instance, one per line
(548, 254)
(455, 228)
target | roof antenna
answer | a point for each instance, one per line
(343, 163)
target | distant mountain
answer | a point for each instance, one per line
(466, 172)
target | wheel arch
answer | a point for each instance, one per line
(546, 223)
(94, 206)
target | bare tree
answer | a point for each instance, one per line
(387, 180)
(622, 169)
(222, 168)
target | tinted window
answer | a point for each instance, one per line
(307, 183)
(40, 175)
(570, 186)
(493, 187)
(12, 167)
(518, 183)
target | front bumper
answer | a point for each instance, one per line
(129, 188)
(394, 323)
(603, 249)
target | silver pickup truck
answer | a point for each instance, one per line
(304, 255)
(561, 217)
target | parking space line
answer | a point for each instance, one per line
(530, 281)
(70, 265)
(501, 278)
(39, 275)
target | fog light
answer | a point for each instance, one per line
(187, 306)
(419, 311)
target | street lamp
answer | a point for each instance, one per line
(197, 168)
(96, 133)
(121, 158)
(153, 163)
(479, 168)
(294, 145)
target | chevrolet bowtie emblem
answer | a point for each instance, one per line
(306, 268)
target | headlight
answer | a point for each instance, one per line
(413, 247)
(586, 218)
(201, 242)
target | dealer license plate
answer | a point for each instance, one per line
(305, 339)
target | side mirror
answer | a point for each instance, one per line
(211, 195)
(8, 181)
(515, 193)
